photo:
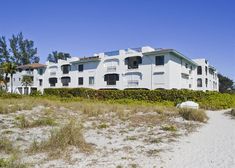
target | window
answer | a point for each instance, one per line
(19, 79)
(159, 60)
(65, 81)
(80, 67)
(91, 80)
(206, 69)
(52, 81)
(206, 82)
(199, 82)
(133, 62)
(199, 70)
(40, 82)
(40, 71)
(65, 69)
(80, 81)
(186, 65)
(111, 79)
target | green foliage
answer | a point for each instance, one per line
(27, 80)
(207, 100)
(225, 84)
(55, 56)
(193, 114)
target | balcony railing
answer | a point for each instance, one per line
(52, 73)
(27, 72)
(111, 68)
(133, 83)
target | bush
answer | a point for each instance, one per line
(193, 114)
(207, 100)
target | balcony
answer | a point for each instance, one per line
(52, 73)
(28, 73)
(132, 83)
(111, 69)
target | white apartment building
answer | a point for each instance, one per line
(145, 67)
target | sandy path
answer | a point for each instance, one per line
(213, 146)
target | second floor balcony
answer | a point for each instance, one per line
(111, 69)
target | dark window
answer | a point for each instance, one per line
(40, 82)
(199, 70)
(133, 62)
(52, 81)
(80, 67)
(91, 80)
(206, 81)
(159, 60)
(111, 79)
(65, 81)
(80, 81)
(199, 82)
(206, 69)
(65, 69)
(186, 65)
(19, 79)
(40, 71)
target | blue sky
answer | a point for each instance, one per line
(196, 28)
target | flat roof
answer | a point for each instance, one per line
(164, 51)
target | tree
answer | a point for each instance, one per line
(55, 56)
(225, 84)
(27, 81)
(4, 51)
(9, 68)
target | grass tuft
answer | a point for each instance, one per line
(69, 135)
(44, 121)
(193, 114)
(6, 145)
(171, 128)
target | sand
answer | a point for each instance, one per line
(212, 146)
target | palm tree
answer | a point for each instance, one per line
(9, 68)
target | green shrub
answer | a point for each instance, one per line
(207, 100)
(193, 114)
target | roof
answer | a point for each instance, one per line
(164, 51)
(31, 66)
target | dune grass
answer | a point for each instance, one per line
(60, 139)
(193, 114)
(22, 122)
(6, 145)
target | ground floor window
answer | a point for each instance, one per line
(80, 81)
(65, 81)
(111, 79)
(199, 82)
(52, 81)
(91, 80)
